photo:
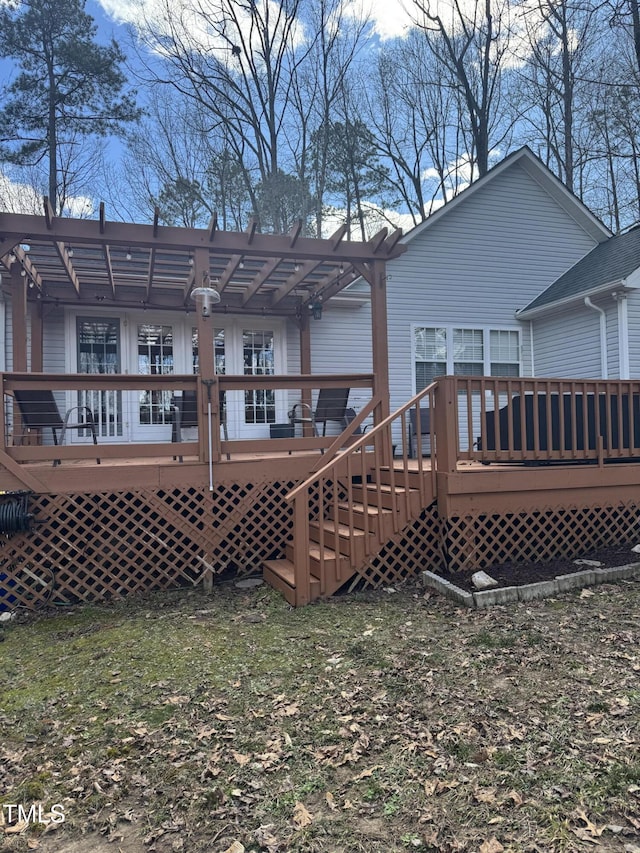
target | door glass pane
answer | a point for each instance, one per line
(155, 358)
(98, 341)
(258, 359)
(219, 359)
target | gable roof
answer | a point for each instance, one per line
(539, 172)
(607, 265)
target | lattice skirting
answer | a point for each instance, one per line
(93, 547)
(101, 546)
(475, 542)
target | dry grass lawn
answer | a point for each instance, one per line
(384, 721)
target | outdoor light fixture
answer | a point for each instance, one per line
(206, 296)
(70, 251)
(315, 307)
(128, 255)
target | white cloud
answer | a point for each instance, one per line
(390, 18)
(209, 26)
(18, 197)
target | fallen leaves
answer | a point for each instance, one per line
(395, 723)
(301, 817)
(491, 846)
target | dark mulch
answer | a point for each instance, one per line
(516, 574)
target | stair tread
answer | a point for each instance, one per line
(359, 507)
(341, 529)
(285, 570)
(386, 489)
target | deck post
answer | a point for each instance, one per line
(301, 562)
(36, 337)
(208, 384)
(305, 367)
(445, 425)
(380, 346)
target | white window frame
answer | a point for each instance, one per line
(449, 327)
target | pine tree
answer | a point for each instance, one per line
(67, 89)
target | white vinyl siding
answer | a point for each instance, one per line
(633, 312)
(567, 344)
(475, 267)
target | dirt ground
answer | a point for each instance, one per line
(517, 573)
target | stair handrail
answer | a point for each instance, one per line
(366, 438)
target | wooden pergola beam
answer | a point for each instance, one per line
(85, 231)
(152, 263)
(109, 267)
(392, 239)
(49, 215)
(295, 232)
(337, 237)
(212, 227)
(293, 281)
(267, 270)
(63, 254)
(229, 272)
(378, 239)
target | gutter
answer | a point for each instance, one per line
(619, 285)
(603, 336)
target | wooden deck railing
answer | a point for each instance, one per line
(336, 483)
(541, 420)
(117, 442)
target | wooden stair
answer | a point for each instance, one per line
(342, 541)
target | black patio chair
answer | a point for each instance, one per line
(415, 440)
(38, 410)
(331, 406)
(185, 416)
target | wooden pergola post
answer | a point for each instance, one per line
(19, 333)
(208, 381)
(37, 327)
(379, 332)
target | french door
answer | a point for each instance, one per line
(157, 346)
(253, 348)
(98, 350)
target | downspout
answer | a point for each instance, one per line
(533, 366)
(623, 335)
(603, 336)
(3, 331)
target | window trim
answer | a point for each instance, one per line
(449, 327)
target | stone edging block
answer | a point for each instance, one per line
(530, 591)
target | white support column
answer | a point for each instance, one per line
(623, 334)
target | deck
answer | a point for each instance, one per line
(497, 485)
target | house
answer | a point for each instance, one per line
(586, 323)
(102, 315)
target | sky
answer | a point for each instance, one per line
(390, 17)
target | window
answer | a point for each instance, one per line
(465, 352)
(504, 352)
(431, 355)
(155, 358)
(258, 357)
(468, 352)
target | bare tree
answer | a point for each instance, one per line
(237, 62)
(561, 38)
(472, 44)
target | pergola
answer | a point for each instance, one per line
(64, 261)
